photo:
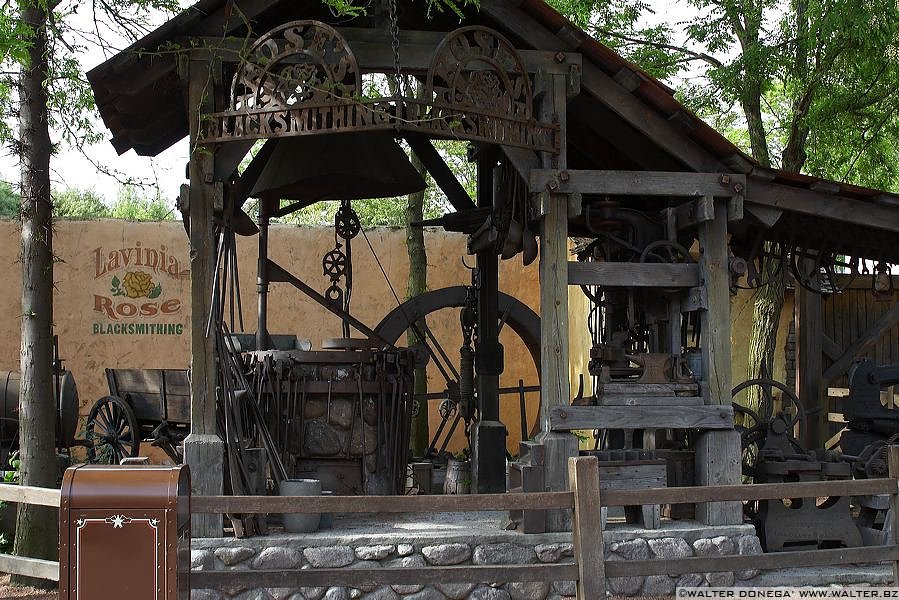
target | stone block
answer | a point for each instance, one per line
(234, 556)
(455, 591)
(658, 585)
(414, 561)
(447, 554)
(201, 560)
(504, 554)
(329, 557)
(670, 547)
(378, 552)
(277, 558)
(527, 590)
(489, 593)
(551, 553)
(636, 549)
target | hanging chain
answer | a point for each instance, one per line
(395, 45)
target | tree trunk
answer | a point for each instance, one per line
(418, 284)
(767, 306)
(36, 526)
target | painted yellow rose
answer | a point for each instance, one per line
(137, 284)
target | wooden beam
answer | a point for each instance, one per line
(715, 340)
(639, 183)
(378, 504)
(567, 418)
(586, 529)
(601, 122)
(831, 349)
(297, 578)
(821, 205)
(886, 321)
(29, 567)
(611, 274)
(374, 53)
(774, 560)
(716, 463)
(203, 449)
(603, 87)
(522, 160)
(440, 171)
(893, 470)
(29, 495)
(810, 328)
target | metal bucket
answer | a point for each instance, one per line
(300, 522)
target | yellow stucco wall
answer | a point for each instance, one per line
(92, 253)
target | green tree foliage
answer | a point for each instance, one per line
(10, 201)
(133, 206)
(73, 203)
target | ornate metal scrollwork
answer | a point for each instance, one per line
(302, 78)
(301, 62)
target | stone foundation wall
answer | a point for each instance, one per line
(356, 551)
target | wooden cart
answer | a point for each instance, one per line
(143, 405)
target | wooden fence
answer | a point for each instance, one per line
(22, 565)
(583, 499)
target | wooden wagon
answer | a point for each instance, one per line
(143, 405)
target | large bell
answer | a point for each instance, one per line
(341, 166)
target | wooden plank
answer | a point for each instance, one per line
(374, 53)
(893, 467)
(605, 89)
(757, 491)
(358, 578)
(774, 560)
(442, 174)
(831, 349)
(203, 449)
(566, 418)
(690, 214)
(646, 389)
(611, 274)
(29, 495)
(822, 206)
(715, 339)
(862, 344)
(30, 567)
(378, 504)
(809, 330)
(717, 463)
(586, 529)
(637, 183)
(605, 400)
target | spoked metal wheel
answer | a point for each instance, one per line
(111, 432)
(441, 351)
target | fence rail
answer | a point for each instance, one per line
(23, 565)
(583, 498)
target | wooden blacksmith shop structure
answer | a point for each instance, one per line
(575, 149)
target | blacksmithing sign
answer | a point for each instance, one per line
(139, 291)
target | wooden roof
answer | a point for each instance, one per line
(621, 119)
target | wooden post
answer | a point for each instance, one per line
(811, 388)
(717, 452)
(893, 464)
(203, 449)
(560, 446)
(586, 530)
(716, 318)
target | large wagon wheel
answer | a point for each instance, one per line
(514, 314)
(111, 432)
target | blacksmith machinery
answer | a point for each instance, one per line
(571, 142)
(341, 413)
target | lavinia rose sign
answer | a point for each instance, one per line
(141, 291)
